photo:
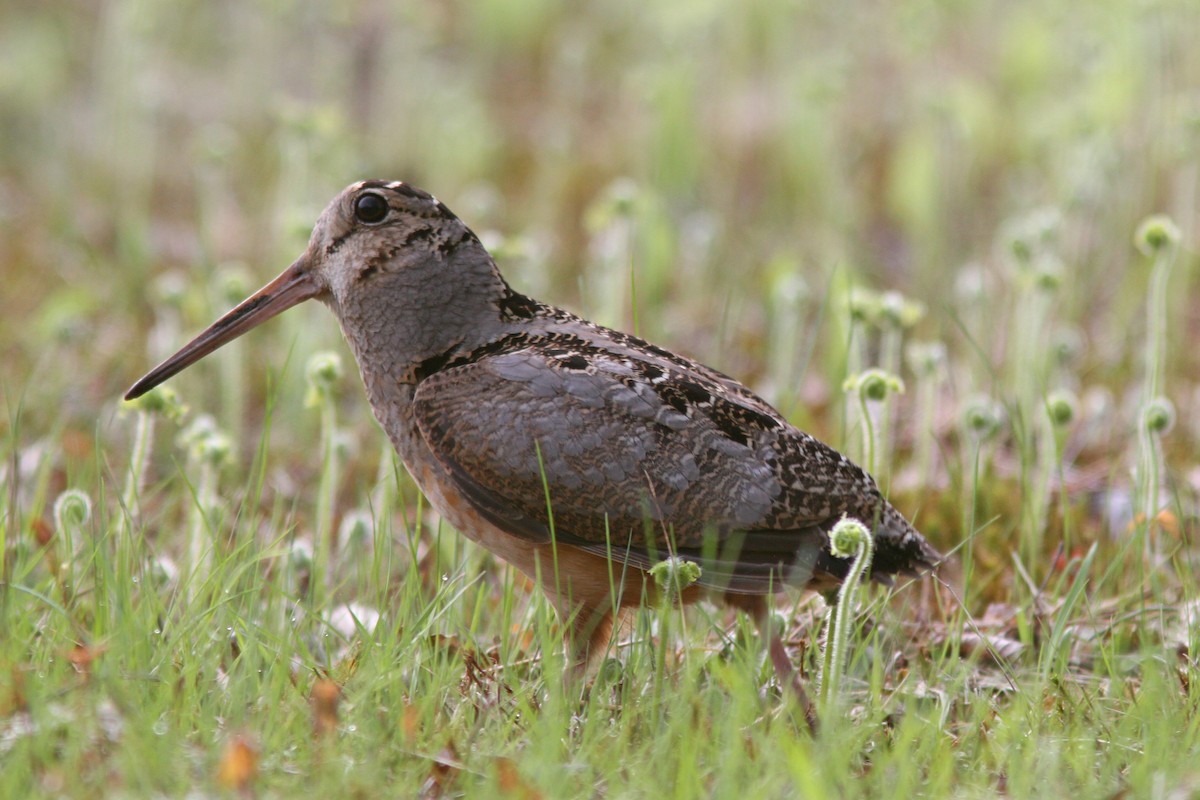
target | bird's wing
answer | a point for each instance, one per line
(630, 457)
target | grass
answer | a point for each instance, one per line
(728, 181)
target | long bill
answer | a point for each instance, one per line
(293, 286)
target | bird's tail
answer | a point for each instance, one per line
(900, 549)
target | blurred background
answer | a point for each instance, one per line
(720, 176)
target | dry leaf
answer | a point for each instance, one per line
(510, 782)
(42, 532)
(81, 657)
(17, 700)
(324, 698)
(992, 646)
(443, 771)
(239, 763)
(410, 722)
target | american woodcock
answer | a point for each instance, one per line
(579, 454)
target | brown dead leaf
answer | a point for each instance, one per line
(324, 698)
(81, 657)
(1168, 522)
(479, 674)
(999, 616)
(348, 665)
(995, 647)
(16, 700)
(410, 721)
(43, 534)
(239, 763)
(510, 782)
(523, 638)
(449, 644)
(1164, 521)
(443, 771)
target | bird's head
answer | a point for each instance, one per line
(390, 260)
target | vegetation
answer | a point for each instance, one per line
(957, 240)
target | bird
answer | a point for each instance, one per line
(579, 454)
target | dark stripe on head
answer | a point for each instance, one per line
(409, 190)
(336, 244)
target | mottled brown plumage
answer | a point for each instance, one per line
(580, 454)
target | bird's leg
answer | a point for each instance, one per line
(590, 603)
(589, 632)
(789, 677)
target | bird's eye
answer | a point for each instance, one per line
(370, 208)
